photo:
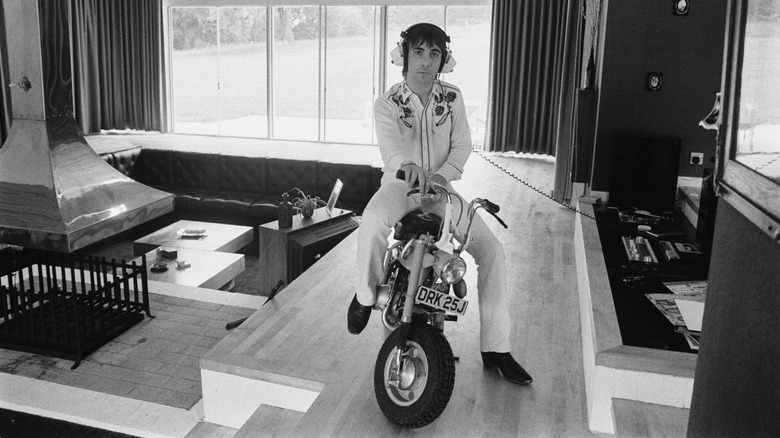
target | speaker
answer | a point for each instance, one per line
(644, 172)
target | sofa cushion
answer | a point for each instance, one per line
(109, 159)
(242, 173)
(282, 175)
(230, 207)
(376, 181)
(153, 167)
(263, 211)
(356, 179)
(192, 169)
(124, 161)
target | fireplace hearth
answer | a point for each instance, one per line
(69, 305)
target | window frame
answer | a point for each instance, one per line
(168, 101)
(753, 194)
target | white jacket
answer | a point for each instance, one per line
(435, 137)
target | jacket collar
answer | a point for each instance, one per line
(437, 92)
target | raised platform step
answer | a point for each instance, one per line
(270, 421)
(211, 430)
(612, 370)
(635, 419)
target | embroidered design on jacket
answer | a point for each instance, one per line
(405, 109)
(448, 99)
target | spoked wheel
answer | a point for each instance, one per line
(416, 393)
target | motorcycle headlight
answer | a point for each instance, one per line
(453, 270)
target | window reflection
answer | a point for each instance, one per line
(758, 142)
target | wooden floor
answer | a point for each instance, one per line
(302, 333)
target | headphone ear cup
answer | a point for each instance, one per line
(449, 64)
(396, 57)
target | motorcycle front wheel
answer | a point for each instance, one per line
(417, 393)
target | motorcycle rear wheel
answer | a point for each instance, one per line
(427, 377)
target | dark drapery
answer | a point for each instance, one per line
(116, 63)
(5, 95)
(528, 74)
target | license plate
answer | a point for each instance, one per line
(438, 300)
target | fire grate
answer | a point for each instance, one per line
(68, 306)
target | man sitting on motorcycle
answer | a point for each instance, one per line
(422, 129)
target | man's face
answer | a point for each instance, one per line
(424, 61)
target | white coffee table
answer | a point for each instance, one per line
(209, 269)
(217, 237)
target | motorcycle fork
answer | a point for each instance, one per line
(411, 291)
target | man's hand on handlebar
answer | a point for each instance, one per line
(415, 176)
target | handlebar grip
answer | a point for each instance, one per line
(400, 174)
(491, 207)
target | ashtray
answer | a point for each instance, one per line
(159, 267)
(191, 233)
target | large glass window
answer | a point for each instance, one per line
(243, 73)
(219, 71)
(350, 73)
(758, 146)
(296, 60)
(194, 70)
(469, 30)
(325, 64)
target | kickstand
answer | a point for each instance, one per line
(274, 292)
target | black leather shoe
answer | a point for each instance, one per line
(357, 316)
(511, 370)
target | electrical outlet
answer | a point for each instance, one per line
(697, 158)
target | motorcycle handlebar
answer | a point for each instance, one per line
(400, 174)
(490, 207)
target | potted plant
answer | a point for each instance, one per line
(306, 204)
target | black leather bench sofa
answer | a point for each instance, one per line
(241, 190)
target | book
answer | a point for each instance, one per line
(668, 307)
(684, 292)
(689, 248)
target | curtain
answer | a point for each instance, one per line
(5, 94)
(116, 63)
(528, 74)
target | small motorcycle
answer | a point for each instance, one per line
(415, 370)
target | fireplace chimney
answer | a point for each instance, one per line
(56, 193)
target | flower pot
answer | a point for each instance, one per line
(307, 211)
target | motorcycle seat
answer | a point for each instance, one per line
(417, 222)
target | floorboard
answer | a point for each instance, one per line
(302, 333)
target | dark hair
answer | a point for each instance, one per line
(421, 34)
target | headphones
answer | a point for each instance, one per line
(397, 55)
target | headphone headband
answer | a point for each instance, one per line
(404, 33)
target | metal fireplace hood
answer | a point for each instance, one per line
(56, 193)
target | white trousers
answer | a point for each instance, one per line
(386, 207)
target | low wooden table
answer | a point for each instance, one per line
(218, 237)
(209, 269)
